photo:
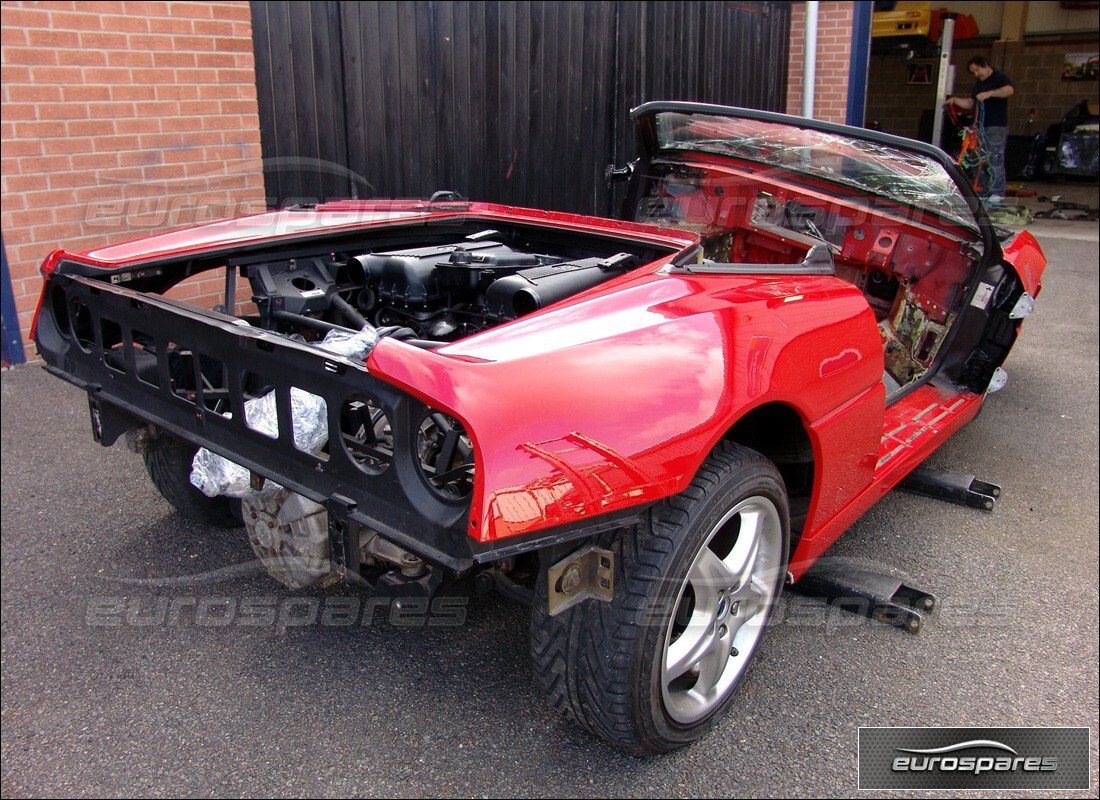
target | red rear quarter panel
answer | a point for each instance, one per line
(1027, 259)
(615, 399)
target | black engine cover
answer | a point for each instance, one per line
(423, 276)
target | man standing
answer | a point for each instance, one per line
(990, 93)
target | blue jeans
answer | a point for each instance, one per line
(996, 140)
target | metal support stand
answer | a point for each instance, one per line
(946, 81)
(954, 487)
(871, 594)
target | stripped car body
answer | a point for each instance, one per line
(799, 305)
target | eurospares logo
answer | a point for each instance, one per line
(974, 758)
(950, 759)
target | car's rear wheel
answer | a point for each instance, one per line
(168, 462)
(694, 588)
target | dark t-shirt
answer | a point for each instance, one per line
(996, 108)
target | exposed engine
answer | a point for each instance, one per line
(437, 293)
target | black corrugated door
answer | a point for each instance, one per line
(513, 102)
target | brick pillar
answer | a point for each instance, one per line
(834, 47)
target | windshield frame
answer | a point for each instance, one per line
(649, 142)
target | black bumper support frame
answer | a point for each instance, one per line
(87, 335)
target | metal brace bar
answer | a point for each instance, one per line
(954, 487)
(870, 594)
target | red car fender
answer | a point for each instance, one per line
(615, 399)
(1027, 260)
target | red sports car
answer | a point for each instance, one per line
(641, 428)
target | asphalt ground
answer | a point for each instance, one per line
(144, 655)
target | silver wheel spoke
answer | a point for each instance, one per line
(751, 599)
(693, 644)
(712, 666)
(709, 577)
(752, 593)
(742, 557)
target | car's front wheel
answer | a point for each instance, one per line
(168, 462)
(657, 667)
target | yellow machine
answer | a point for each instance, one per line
(901, 19)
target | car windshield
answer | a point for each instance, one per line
(890, 172)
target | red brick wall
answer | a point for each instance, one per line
(119, 119)
(834, 47)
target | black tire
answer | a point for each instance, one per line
(168, 462)
(607, 666)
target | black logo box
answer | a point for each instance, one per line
(974, 758)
